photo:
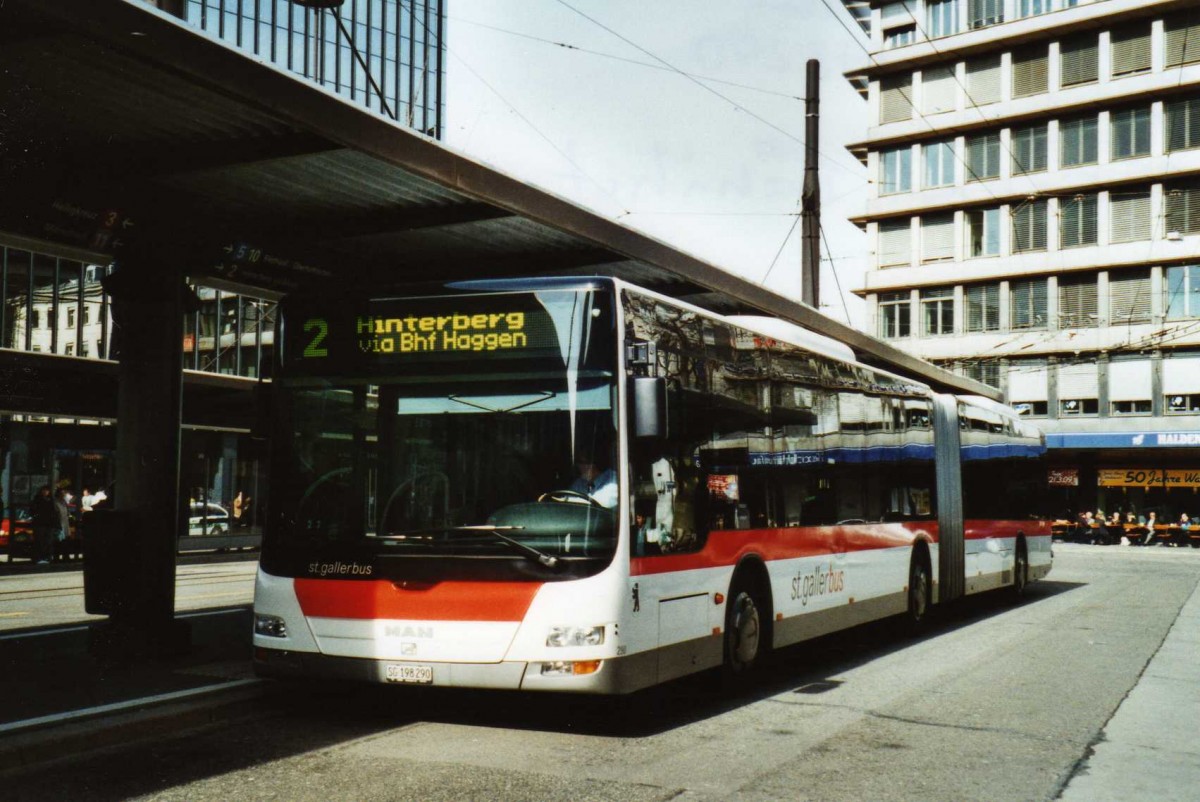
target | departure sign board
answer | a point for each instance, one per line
(334, 336)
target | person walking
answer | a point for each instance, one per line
(62, 524)
(45, 519)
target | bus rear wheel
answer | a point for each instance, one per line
(1020, 571)
(919, 590)
(743, 631)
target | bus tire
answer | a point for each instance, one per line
(744, 629)
(1020, 570)
(920, 589)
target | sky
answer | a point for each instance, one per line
(613, 105)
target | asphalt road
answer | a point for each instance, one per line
(995, 702)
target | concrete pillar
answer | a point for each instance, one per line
(148, 301)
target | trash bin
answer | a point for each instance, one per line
(110, 561)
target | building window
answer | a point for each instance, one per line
(895, 243)
(983, 308)
(1182, 211)
(1027, 304)
(1180, 404)
(939, 89)
(1129, 213)
(1130, 133)
(895, 315)
(70, 351)
(1183, 124)
(1077, 141)
(1030, 71)
(939, 162)
(937, 237)
(71, 317)
(1077, 221)
(983, 80)
(895, 103)
(1131, 50)
(1121, 408)
(899, 37)
(937, 311)
(35, 320)
(1129, 297)
(1032, 8)
(85, 348)
(1029, 226)
(981, 13)
(983, 232)
(895, 167)
(941, 17)
(1028, 388)
(983, 157)
(1079, 60)
(1182, 32)
(983, 371)
(1183, 292)
(1070, 407)
(1029, 149)
(1078, 302)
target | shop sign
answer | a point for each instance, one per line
(1063, 477)
(723, 486)
(1148, 477)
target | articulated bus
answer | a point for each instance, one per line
(431, 523)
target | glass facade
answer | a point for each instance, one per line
(387, 55)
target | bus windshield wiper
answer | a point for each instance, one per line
(496, 531)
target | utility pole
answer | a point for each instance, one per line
(810, 197)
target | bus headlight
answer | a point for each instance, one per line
(567, 668)
(575, 636)
(271, 626)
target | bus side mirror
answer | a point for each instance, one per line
(650, 408)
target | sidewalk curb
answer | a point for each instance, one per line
(37, 743)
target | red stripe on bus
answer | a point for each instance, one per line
(443, 601)
(726, 547)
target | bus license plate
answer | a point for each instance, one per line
(422, 675)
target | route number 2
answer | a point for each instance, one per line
(320, 329)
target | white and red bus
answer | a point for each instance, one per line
(580, 485)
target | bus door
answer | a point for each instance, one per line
(951, 565)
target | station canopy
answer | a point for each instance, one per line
(124, 127)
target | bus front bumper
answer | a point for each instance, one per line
(613, 676)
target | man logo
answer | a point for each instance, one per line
(1139, 439)
(408, 649)
(397, 631)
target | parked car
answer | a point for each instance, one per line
(206, 518)
(17, 539)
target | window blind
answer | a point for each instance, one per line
(1028, 382)
(895, 243)
(981, 13)
(1080, 60)
(938, 90)
(1078, 303)
(937, 237)
(1027, 307)
(1031, 71)
(1078, 381)
(1131, 50)
(1130, 215)
(1029, 149)
(1129, 297)
(983, 307)
(983, 156)
(1183, 38)
(1129, 380)
(1077, 221)
(895, 99)
(1183, 124)
(1029, 226)
(1077, 141)
(1130, 133)
(1183, 208)
(983, 80)
(1181, 375)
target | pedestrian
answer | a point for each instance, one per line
(45, 519)
(62, 513)
(239, 508)
(1151, 521)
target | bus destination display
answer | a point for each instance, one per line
(419, 330)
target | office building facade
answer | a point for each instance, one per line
(1034, 217)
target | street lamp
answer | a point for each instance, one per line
(332, 6)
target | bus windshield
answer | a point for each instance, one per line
(492, 459)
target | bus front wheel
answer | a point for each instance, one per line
(1020, 571)
(743, 631)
